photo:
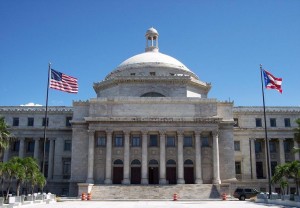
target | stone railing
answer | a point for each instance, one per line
(27, 199)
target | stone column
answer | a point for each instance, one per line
(253, 158)
(6, 154)
(22, 147)
(281, 151)
(162, 158)
(108, 158)
(180, 178)
(50, 158)
(144, 158)
(126, 158)
(91, 149)
(297, 153)
(198, 167)
(216, 176)
(36, 149)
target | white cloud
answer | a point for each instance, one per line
(31, 104)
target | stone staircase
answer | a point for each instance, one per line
(136, 192)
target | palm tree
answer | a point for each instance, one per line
(11, 169)
(294, 172)
(5, 135)
(281, 175)
(20, 173)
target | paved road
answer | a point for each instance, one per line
(155, 204)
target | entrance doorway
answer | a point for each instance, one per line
(259, 170)
(171, 172)
(117, 172)
(135, 172)
(189, 172)
(153, 172)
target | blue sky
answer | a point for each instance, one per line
(222, 41)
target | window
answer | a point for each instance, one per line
(238, 168)
(273, 122)
(236, 122)
(273, 166)
(68, 119)
(132, 74)
(101, 141)
(237, 146)
(153, 141)
(68, 145)
(30, 121)
(170, 141)
(152, 73)
(287, 146)
(118, 140)
(172, 74)
(15, 146)
(204, 142)
(135, 141)
(187, 141)
(66, 168)
(272, 145)
(30, 146)
(258, 122)
(287, 122)
(44, 122)
(47, 146)
(15, 121)
(258, 146)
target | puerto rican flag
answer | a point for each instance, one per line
(272, 82)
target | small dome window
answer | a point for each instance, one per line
(152, 94)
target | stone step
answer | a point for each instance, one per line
(184, 191)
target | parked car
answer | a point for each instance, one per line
(245, 193)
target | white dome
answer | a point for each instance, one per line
(153, 59)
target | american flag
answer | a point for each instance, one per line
(272, 82)
(63, 82)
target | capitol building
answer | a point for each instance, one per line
(152, 124)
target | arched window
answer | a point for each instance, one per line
(188, 162)
(118, 162)
(153, 162)
(153, 94)
(135, 162)
(171, 162)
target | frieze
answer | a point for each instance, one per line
(35, 109)
(275, 109)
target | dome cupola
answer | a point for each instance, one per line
(151, 40)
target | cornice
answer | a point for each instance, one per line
(35, 109)
(273, 109)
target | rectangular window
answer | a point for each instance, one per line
(118, 140)
(153, 141)
(30, 146)
(101, 141)
(66, 168)
(15, 121)
(236, 122)
(47, 146)
(238, 168)
(287, 146)
(272, 145)
(15, 146)
(187, 141)
(152, 73)
(273, 122)
(132, 74)
(237, 146)
(258, 146)
(204, 142)
(287, 122)
(30, 121)
(68, 119)
(68, 145)
(170, 141)
(258, 122)
(136, 141)
(44, 122)
(273, 166)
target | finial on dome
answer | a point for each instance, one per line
(151, 40)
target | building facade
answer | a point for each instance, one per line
(151, 123)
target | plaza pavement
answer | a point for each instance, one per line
(155, 204)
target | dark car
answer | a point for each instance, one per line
(245, 193)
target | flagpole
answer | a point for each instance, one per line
(46, 115)
(266, 134)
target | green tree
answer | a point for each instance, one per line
(20, 173)
(294, 172)
(5, 135)
(281, 176)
